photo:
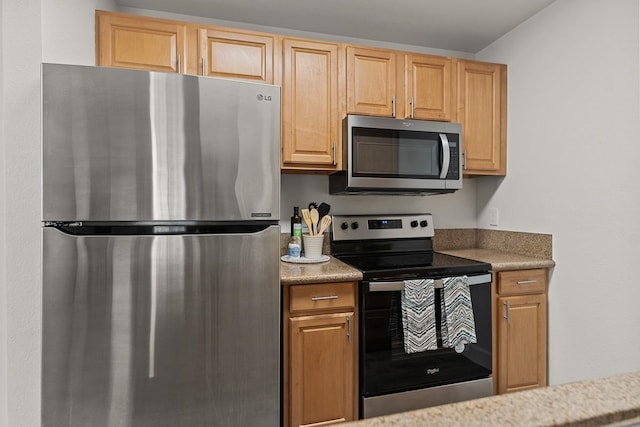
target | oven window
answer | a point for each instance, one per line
(396, 154)
(386, 368)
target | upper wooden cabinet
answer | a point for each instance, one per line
(371, 81)
(236, 54)
(428, 87)
(322, 82)
(311, 105)
(129, 41)
(481, 107)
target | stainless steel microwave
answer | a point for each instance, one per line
(394, 156)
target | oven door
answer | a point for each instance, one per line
(385, 368)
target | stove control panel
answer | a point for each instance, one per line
(385, 226)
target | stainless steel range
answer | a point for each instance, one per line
(391, 251)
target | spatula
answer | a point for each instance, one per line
(307, 220)
(313, 214)
(324, 223)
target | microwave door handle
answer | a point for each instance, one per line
(446, 155)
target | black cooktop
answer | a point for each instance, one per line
(412, 264)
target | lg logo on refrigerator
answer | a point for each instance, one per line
(262, 97)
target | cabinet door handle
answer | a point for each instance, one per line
(179, 65)
(411, 107)
(446, 158)
(393, 106)
(203, 66)
(327, 297)
(526, 282)
(335, 162)
(507, 308)
(349, 328)
(464, 159)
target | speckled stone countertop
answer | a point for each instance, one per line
(501, 260)
(323, 272)
(600, 402)
(504, 250)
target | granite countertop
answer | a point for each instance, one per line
(501, 260)
(323, 272)
(613, 400)
(504, 250)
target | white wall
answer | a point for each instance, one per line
(20, 276)
(573, 153)
(68, 30)
(457, 210)
(65, 31)
(4, 419)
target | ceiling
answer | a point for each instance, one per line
(460, 25)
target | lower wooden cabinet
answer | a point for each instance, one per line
(320, 354)
(521, 325)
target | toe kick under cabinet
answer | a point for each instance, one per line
(320, 353)
(521, 330)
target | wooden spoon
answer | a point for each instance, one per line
(326, 221)
(307, 220)
(313, 214)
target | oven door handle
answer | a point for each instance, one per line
(398, 285)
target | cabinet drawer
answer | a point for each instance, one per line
(322, 296)
(522, 281)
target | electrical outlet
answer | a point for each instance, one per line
(493, 217)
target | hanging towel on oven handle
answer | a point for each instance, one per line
(418, 315)
(458, 317)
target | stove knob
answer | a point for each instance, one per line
(423, 223)
(414, 224)
(344, 226)
(354, 225)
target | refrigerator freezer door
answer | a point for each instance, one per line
(169, 330)
(129, 145)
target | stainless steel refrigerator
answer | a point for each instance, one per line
(161, 244)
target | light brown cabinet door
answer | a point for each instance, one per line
(481, 108)
(428, 87)
(127, 41)
(311, 131)
(522, 342)
(236, 54)
(371, 82)
(322, 375)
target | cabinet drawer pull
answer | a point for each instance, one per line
(526, 282)
(507, 306)
(324, 298)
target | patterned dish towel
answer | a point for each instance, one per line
(418, 316)
(458, 323)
